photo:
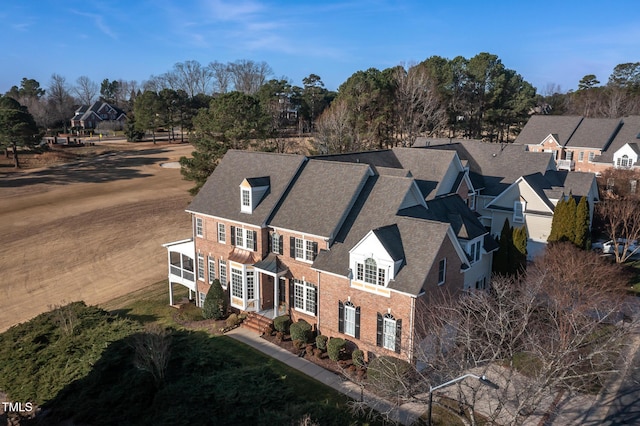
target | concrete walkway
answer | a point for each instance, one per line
(406, 414)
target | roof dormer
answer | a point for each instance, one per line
(378, 257)
(252, 191)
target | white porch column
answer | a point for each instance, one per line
(170, 292)
(276, 287)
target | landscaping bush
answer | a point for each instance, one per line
(298, 344)
(334, 347)
(233, 320)
(215, 304)
(282, 323)
(321, 342)
(357, 357)
(388, 373)
(301, 330)
(279, 336)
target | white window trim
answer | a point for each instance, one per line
(519, 218)
(234, 285)
(199, 227)
(200, 266)
(349, 327)
(242, 238)
(361, 273)
(591, 156)
(389, 340)
(222, 233)
(225, 269)
(201, 298)
(211, 263)
(246, 208)
(307, 252)
(444, 271)
(307, 287)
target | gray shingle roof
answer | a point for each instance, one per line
(563, 182)
(540, 126)
(376, 208)
(320, 197)
(594, 133)
(629, 133)
(220, 195)
(493, 166)
(427, 167)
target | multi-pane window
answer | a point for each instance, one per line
(246, 198)
(222, 234)
(370, 273)
(212, 269)
(518, 211)
(304, 297)
(251, 292)
(223, 273)
(591, 156)
(581, 156)
(389, 332)
(199, 227)
(276, 243)
(442, 271)
(200, 267)
(349, 319)
(244, 238)
(201, 297)
(474, 254)
(303, 249)
(249, 242)
(236, 283)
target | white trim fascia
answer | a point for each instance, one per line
(550, 135)
(503, 193)
(244, 224)
(173, 243)
(304, 234)
(456, 244)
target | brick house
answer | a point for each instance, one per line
(583, 144)
(353, 244)
(512, 182)
(88, 117)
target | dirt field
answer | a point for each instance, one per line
(88, 231)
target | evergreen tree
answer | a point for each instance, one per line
(582, 233)
(520, 249)
(215, 304)
(568, 220)
(503, 256)
(558, 211)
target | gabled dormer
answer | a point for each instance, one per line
(377, 258)
(252, 191)
(551, 141)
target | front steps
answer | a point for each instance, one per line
(256, 322)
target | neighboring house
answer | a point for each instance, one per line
(88, 117)
(516, 184)
(581, 143)
(354, 244)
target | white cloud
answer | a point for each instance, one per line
(99, 23)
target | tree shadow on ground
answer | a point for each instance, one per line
(102, 168)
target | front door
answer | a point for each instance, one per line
(266, 292)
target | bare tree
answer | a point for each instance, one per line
(86, 90)
(152, 351)
(248, 76)
(221, 77)
(60, 101)
(419, 108)
(621, 219)
(553, 332)
(333, 131)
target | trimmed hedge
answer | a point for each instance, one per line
(321, 342)
(357, 357)
(282, 323)
(335, 347)
(301, 330)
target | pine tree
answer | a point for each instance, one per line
(215, 304)
(568, 222)
(582, 233)
(502, 258)
(554, 235)
(520, 249)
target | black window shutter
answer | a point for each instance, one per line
(280, 242)
(270, 239)
(292, 247)
(291, 292)
(398, 335)
(315, 311)
(340, 316)
(233, 235)
(255, 241)
(357, 336)
(315, 250)
(216, 231)
(379, 333)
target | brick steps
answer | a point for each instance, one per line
(256, 322)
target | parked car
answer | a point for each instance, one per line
(608, 247)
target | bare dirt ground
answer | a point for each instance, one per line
(90, 230)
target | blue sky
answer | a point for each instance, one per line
(546, 42)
